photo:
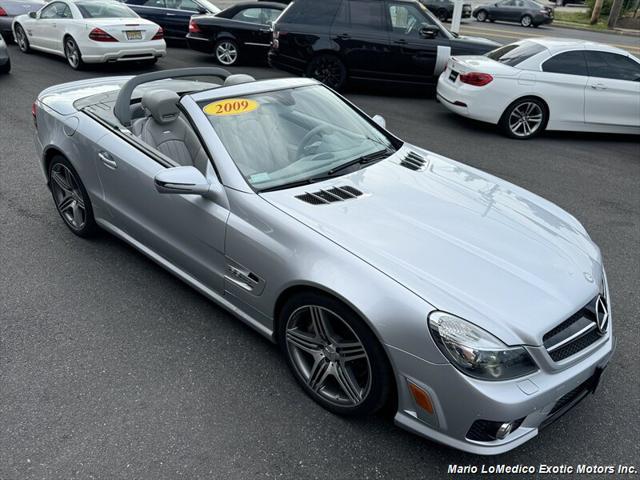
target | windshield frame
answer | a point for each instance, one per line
(211, 137)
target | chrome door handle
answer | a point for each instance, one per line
(107, 160)
(598, 86)
(171, 14)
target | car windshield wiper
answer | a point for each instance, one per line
(363, 160)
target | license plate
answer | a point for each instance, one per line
(453, 75)
(133, 34)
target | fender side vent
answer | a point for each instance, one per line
(335, 194)
(414, 162)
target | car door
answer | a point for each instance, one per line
(250, 27)
(562, 84)
(58, 27)
(186, 230)
(612, 96)
(414, 54)
(153, 10)
(178, 15)
(503, 10)
(361, 33)
(40, 30)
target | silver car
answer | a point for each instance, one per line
(385, 272)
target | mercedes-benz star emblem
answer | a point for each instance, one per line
(602, 315)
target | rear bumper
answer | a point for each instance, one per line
(485, 104)
(200, 44)
(101, 53)
(288, 64)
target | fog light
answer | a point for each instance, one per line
(504, 430)
(421, 398)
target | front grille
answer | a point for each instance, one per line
(485, 430)
(574, 334)
(335, 194)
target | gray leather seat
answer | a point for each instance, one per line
(167, 131)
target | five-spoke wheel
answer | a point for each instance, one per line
(226, 52)
(334, 355)
(70, 197)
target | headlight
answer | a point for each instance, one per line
(476, 352)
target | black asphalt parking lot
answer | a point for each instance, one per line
(112, 368)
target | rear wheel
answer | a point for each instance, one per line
(525, 118)
(526, 21)
(227, 52)
(328, 69)
(71, 198)
(72, 53)
(481, 16)
(21, 39)
(334, 355)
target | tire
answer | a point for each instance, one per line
(21, 39)
(513, 125)
(328, 69)
(6, 68)
(526, 21)
(443, 15)
(72, 54)
(359, 385)
(70, 198)
(482, 16)
(226, 52)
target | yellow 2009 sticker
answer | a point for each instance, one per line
(231, 106)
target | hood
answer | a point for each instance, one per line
(464, 241)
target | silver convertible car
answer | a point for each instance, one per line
(386, 273)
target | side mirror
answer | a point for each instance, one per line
(33, 15)
(379, 119)
(182, 180)
(429, 31)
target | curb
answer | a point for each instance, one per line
(615, 31)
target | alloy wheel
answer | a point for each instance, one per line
(482, 16)
(21, 38)
(68, 196)
(72, 53)
(328, 355)
(327, 70)
(227, 53)
(525, 119)
(526, 21)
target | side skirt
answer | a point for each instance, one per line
(185, 277)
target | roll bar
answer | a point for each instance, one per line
(122, 109)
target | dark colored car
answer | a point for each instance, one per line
(172, 15)
(12, 8)
(525, 12)
(443, 9)
(243, 30)
(5, 61)
(390, 41)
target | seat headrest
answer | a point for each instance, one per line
(162, 105)
(237, 79)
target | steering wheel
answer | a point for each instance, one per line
(305, 143)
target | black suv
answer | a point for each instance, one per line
(443, 9)
(385, 40)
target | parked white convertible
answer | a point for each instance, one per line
(89, 31)
(546, 83)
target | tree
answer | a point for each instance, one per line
(616, 8)
(595, 14)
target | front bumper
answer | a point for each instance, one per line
(459, 401)
(121, 52)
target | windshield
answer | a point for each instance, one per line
(104, 10)
(285, 137)
(515, 53)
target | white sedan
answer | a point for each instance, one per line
(546, 83)
(88, 31)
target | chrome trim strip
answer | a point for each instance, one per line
(571, 338)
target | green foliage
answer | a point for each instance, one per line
(606, 6)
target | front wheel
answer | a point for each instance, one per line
(227, 52)
(21, 39)
(481, 16)
(526, 21)
(328, 69)
(334, 355)
(71, 198)
(525, 118)
(72, 52)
